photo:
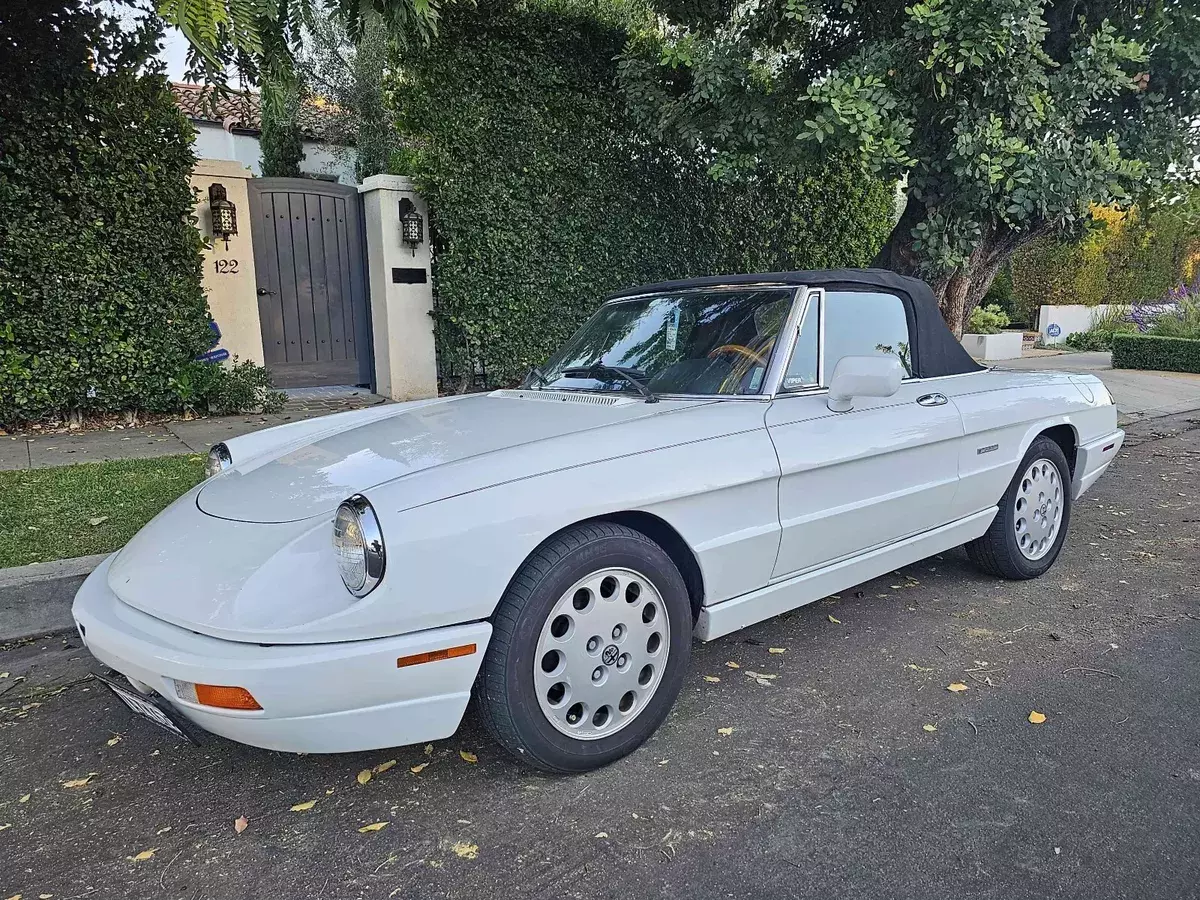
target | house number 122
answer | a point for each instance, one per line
(225, 266)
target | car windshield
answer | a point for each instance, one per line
(715, 341)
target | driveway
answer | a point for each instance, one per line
(1138, 394)
(851, 771)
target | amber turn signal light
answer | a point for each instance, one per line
(434, 655)
(218, 695)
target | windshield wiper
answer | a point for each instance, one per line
(537, 373)
(598, 368)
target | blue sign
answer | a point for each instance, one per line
(1054, 330)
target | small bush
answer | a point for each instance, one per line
(1182, 322)
(242, 387)
(989, 319)
(1116, 320)
(1149, 351)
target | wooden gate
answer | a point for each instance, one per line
(309, 257)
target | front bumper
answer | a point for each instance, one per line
(315, 698)
(1092, 459)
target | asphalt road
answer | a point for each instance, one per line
(831, 783)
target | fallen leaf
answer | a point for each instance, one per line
(99, 520)
(163, 830)
(429, 749)
(601, 834)
(725, 731)
(956, 687)
(374, 826)
(929, 727)
(143, 856)
(468, 756)
(364, 776)
(917, 668)
(383, 766)
(114, 740)
(24, 798)
(464, 850)
(304, 807)
(835, 621)
(775, 650)
(732, 665)
(15, 897)
(240, 824)
(711, 679)
(1037, 718)
(418, 769)
(5, 825)
(4, 674)
(78, 782)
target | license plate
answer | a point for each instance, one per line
(146, 708)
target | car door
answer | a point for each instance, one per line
(886, 469)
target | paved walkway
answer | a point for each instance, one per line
(32, 451)
(1138, 395)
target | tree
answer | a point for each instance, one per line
(1008, 118)
(255, 35)
(281, 142)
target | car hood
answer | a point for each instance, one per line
(300, 480)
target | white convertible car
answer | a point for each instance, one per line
(702, 455)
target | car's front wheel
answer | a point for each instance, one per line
(1031, 524)
(589, 648)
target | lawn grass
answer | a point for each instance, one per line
(48, 513)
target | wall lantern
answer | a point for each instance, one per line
(412, 227)
(224, 213)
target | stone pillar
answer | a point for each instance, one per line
(401, 292)
(229, 279)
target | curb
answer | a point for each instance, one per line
(36, 599)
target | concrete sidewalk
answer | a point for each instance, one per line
(1138, 394)
(33, 450)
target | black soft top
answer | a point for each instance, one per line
(934, 350)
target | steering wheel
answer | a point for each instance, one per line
(739, 349)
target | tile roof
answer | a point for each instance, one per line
(240, 111)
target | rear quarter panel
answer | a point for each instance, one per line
(1003, 412)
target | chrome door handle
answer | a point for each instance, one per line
(932, 400)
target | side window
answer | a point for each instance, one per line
(862, 323)
(802, 369)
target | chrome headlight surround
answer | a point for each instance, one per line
(358, 546)
(219, 459)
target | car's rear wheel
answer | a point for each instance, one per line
(1031, 524)
(589, 648)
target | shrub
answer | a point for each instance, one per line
(1183, 321)
(544, 196)
(101, 305)
(1150, 351)
(1115, 320)
(989, 319)
(240, 387)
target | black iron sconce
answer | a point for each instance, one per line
(224, 213)
(412, 226)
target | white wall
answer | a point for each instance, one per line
(214, 142)
(1066, 320)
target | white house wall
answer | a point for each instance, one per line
(214, 142)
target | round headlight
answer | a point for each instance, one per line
(219, 459)
(358, 545)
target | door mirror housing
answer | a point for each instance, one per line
(863, 376)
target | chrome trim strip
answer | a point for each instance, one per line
(785, 343)
(712, 287)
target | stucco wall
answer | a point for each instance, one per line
(229, 277)
(214, 142)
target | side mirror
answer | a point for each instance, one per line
(863, 376)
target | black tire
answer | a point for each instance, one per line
(504, 692)
(997, 552)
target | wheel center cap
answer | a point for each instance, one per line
(610, 654)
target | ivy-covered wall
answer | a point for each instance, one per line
(101, 306)
(544, 196)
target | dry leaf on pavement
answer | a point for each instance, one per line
(374, 826)
(240, 824)
(465, 850)
(79, 782)
(143, 856)
(775, 650)
(1037, 718)
(725, 731)
(383, 766)
(956, 687)
(468, 756)
(364, 776)
(24, 798)
(711, 679)
(835, 621)
(418, 769)
(114, 740)
(929, 727)
(304, 807)
(429, 749)
(732, 665)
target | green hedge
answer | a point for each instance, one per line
(544, 197)
(101, 305)
(1148, 351)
